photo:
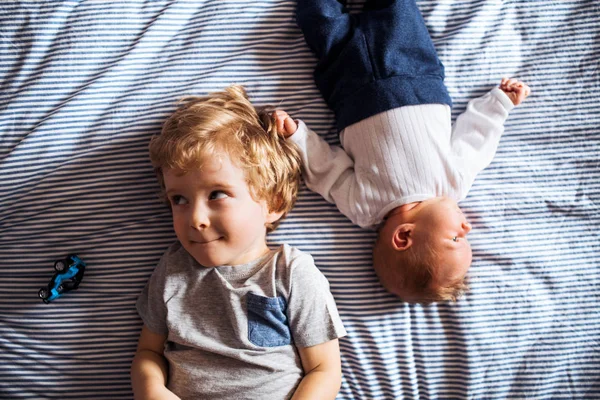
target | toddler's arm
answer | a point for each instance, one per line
(315, 327)
(323, 372)
(149, 368)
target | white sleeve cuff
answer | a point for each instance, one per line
(502, 98)
(300, 135)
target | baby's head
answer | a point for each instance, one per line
(227, 124)
(422, 254)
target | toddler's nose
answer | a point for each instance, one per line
(199, 218)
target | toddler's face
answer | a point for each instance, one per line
(214, 215)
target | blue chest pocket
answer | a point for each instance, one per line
(267, 321)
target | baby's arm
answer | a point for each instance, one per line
(327, 170)
(323, 372)
(477, 131)
(286, 126)
(516, 90)
(149, 368)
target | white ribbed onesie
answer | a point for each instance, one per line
(403, 155)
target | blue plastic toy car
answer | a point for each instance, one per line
(68, 276)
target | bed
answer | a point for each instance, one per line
(84, 84)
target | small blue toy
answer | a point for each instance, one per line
(68, 276)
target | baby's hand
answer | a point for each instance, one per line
(516, 90)
(286, 126)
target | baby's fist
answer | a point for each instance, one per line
(516, 90)
(286, 126)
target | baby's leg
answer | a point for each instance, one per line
(378, 4)
(374, 61)
(398, 37)
(400, 45)
(324, 23)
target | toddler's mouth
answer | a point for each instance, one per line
(204, 241)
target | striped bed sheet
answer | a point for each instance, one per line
(84, 84)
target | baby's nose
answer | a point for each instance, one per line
(467, 227)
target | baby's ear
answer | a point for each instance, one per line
(402, 238)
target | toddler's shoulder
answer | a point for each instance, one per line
(298, 269)
(293, 257)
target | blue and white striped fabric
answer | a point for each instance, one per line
(84, 84)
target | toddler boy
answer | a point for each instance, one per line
(224, 316)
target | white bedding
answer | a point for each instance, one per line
(84, 84)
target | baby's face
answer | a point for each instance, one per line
(443, 224)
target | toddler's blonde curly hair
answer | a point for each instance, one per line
(226, 122)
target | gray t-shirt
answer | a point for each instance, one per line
(232, 331)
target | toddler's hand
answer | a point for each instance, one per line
(286, 126)
(516, 90)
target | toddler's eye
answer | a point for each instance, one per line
(455, 238)
(178, 200)
(217, 194)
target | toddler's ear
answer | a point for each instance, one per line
(402, 237)
(273, 216)
(275, 203)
